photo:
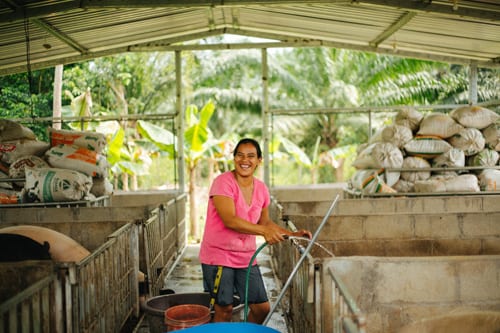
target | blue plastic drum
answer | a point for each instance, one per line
(230, 328)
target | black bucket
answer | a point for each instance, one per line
(155, 307)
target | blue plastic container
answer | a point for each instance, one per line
(230, 328)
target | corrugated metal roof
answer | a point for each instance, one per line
(66, 31)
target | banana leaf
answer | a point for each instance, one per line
(162, 138)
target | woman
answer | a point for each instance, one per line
(238, 210)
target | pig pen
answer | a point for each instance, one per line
(135, 237)
(396, 262)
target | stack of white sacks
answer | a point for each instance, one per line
(70, 167)
(468, 136)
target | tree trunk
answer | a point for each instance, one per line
(339, 171)
(125, 181)
(57, 103)
(314, 175)
(135, 182)
(211, 169)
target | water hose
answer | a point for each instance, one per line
(245, 314)
(294, 271)
(302, 258)
(250, 267)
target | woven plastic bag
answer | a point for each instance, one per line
(370, 181)
(474, 116)
(53, 184)
(469, 140)
(12, 150)
(77, 158)
(10, 130)
(463, 183)
(439, 124)
(94, 141)
(452, 158)
(409, 117)
(492, 136)
(489, 180)
(427, 146)
(415, 163)
(485, 158)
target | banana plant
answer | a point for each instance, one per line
(80, 107)
(127, 157)
(198, 145)
(333, 157)
(300, 157)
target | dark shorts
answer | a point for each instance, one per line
(233, 282)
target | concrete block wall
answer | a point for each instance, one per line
(419, 226)
(89, 226)
(149, 199)
(394, 292)
(404, 259)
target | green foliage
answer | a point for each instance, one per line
(197, 131)
(296, 153)
(162, 167)
(17, 101)
(163, 139)
(302, 144)
(137, 83)
(115, 145)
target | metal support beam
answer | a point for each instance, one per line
(284, 41)
(180, 120)
(393, 29)
(280, 40)
(59, 35)
(265, 119)
(479, 10)
(370, 125)
(473, 83)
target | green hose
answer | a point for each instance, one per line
(248, 278)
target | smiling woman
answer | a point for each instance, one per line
(237, 212)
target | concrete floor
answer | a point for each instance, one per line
(187, 277)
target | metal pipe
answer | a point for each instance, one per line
(180, 120)
(473, 83)
(302, 258)
(265, 117)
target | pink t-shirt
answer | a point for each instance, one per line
(221, 245)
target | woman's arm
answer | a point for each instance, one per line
(226, 210)
(271, 232)
(225, 207)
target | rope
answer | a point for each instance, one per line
(28, 62)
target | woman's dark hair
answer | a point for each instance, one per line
(250, 141)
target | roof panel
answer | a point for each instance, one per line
(473, 49)
(332, 25)
(485, 30)
(465, 31)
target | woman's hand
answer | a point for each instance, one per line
(273, 235)
(302, 233)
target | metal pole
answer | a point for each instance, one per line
(265, 119)
(302, 258)
(473, 83)
(180, 120)
(370, 125)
